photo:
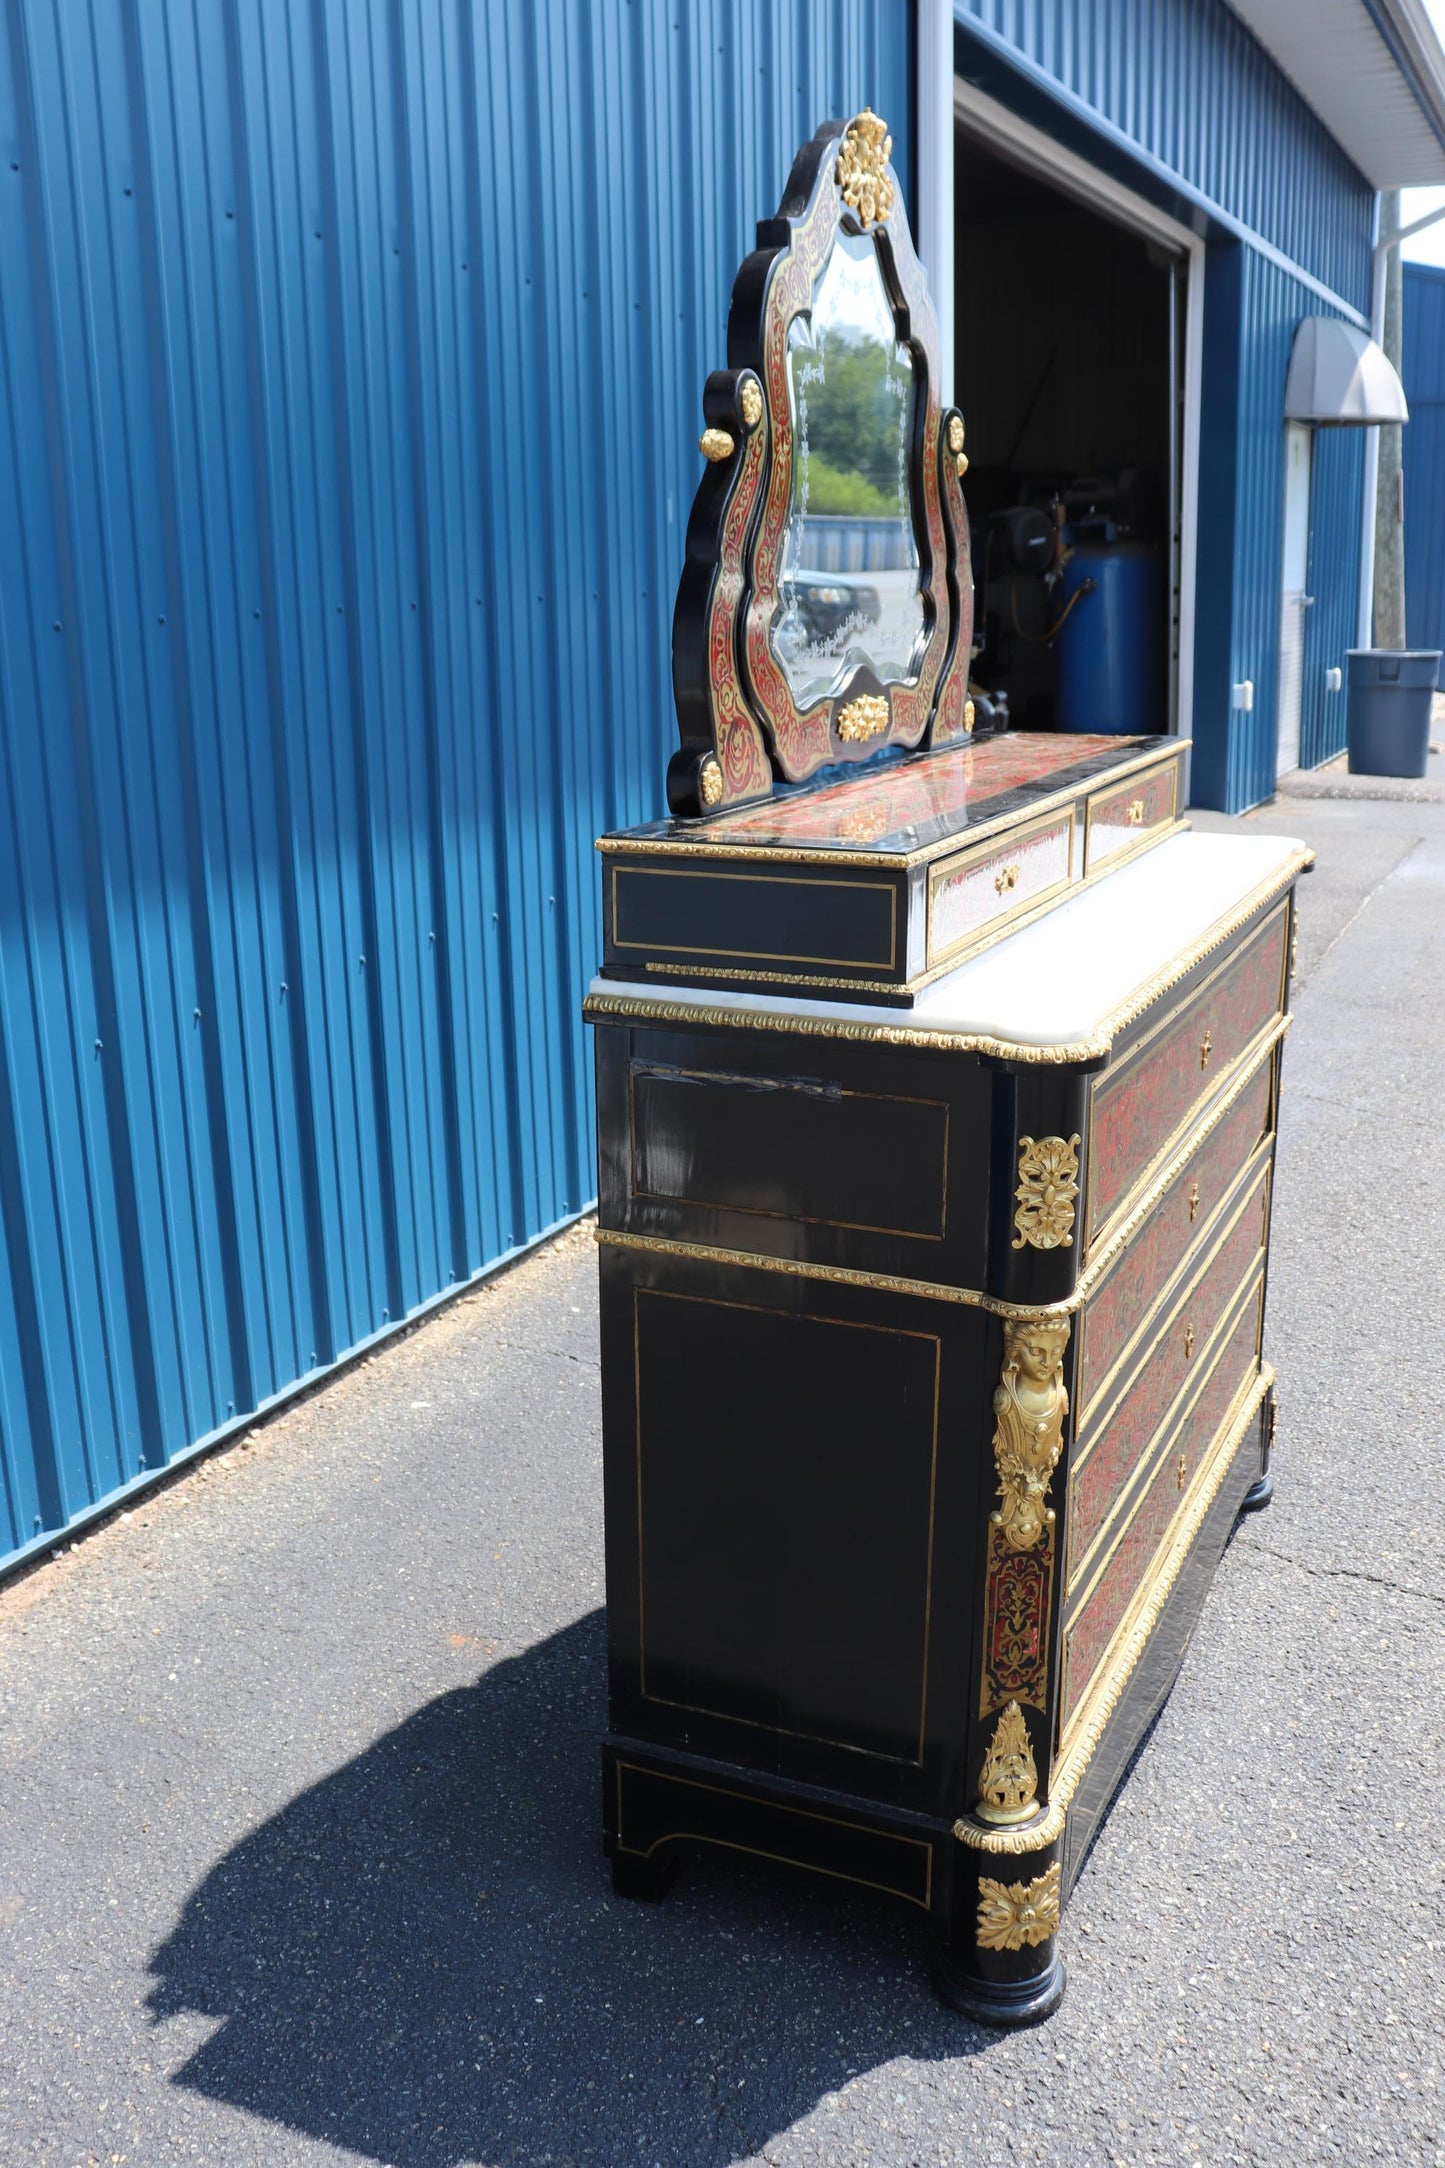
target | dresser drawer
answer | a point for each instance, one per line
(1124, 1570)
(1142, 1106)
(1185, 1344)
(1120, 820)
(1183, 1221)
(976, 894)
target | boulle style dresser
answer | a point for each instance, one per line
(937, 1089)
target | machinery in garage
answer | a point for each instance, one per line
(1072, 395)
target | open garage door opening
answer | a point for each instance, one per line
(1070, 371)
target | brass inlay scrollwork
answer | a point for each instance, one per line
(1011, 1914)
(863, 718)
(716, 444)
(863, 168)
(1009, 1786)
(1029, 1404)
(1047, 1193)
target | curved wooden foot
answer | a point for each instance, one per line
(1000, 2002)
(1259, 1494)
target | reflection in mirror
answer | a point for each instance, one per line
(849, 586)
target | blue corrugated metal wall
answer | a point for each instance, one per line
(351, 356)
(1184, 86)
(1422, 369)
(1253, 310)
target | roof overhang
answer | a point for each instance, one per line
(1374, 72)
(1337, 375)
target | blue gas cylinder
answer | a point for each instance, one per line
(1109, 650)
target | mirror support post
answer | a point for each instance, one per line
(935, 170)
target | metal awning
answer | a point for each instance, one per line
(1374, 72)
(1337, 374)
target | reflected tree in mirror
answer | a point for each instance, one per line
(849, 594)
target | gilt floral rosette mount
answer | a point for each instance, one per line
(825, 612)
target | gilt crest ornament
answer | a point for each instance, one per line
(1047, 1193)
(1029, 1405)
(863, 168)
(1012, 1914)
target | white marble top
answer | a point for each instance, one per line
(1057, 981)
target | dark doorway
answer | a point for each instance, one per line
(1068, 368)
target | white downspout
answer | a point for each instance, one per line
(935, 169)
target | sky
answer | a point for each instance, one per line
(1429, 246)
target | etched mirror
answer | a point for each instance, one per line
(849, 592)
(825, 609)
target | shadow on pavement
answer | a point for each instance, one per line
(422, 1959)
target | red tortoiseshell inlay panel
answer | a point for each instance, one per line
(964, 899)
(1017, 1603)
(1110, 826)
(1177, 1221)
(1103, 1476)
(1138, 1107)
(944, 788)
(1087, 1638)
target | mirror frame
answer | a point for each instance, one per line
(739, 722)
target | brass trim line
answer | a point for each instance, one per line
(890, 1283)
(1114, 1673)
(888, 888)
(642, 1008)
(824, 854)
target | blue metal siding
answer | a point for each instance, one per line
(1422, 369)
(1183, 83)
(336, 565)
(1252, 311)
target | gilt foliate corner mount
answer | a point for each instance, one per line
(825, 610)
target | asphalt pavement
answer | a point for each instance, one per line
(299, 1796)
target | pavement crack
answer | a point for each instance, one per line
(562, 1354)
(1338, 1573)
(1363, 904)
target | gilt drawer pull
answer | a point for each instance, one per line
(1206, 1048)
(1005, 879)
(1189, 1343)
(1193, 1201)
(1181, 1472)
(1134, 812)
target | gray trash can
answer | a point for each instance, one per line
(1387, 716)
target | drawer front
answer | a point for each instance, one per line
(1120, 820)
(1179, 1222)
(1184, 1345)
(971, 896)
(1125, 1570)
(848, 922)
(794, 1148)
(1139, 1108)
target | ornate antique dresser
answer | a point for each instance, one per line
(937, 1088)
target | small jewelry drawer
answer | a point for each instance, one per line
(1122, 820)
(1118, 1313)
(1184, 1344)
(1142, 1106)
(974, 895)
